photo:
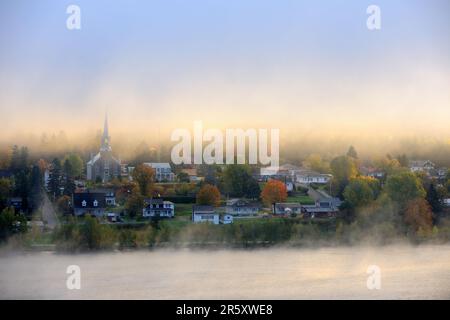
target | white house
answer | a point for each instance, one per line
(308, 176)
(158, 208)
(204, 214)
(421, 165)
(163, 171)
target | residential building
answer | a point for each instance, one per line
(110, 196)
(163, 171)
(90, 203)
(286, 208)
(242, 207)
(421, 165)
(306, 176)
(204, 214)
(104, 166)
(158, 208)
(323, 208)
(192, 174)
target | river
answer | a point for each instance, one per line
(406, 272)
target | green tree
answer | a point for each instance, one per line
(5, 191)
(404, 186)
(75, 165)
(343, 169)
(91, 233)
(434, 198)
(11, 223)
(54, 182)
(360, 191)
(135, 202)
(238, 181)
(352, 152)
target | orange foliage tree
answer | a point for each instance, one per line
(418, 215)
(208, 195)
(274, 191)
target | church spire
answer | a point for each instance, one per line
(105, 137)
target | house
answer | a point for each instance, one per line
(242, 207)
(226, 218)
(204, 214)
(16, 203)
(323, 208)
(158, 208)
(286, 208)
(103, 166)
(192, 174)
(421, 165)
(110, 196)
(306, 176)
(89, 203)
(372, 172)
(163, 171)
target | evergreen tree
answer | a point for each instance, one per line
(352, 152)
(54, 183)
(434, 199)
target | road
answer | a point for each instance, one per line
(48, 212)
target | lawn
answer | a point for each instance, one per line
(183, 209)
(303, 199)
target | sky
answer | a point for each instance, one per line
(157, 65)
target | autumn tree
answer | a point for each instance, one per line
(274, 191)
(144, 176)
(418, 215)
(208, 195)
(135, 201)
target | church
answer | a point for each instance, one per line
(103, 166)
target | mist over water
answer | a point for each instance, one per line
(330, 273)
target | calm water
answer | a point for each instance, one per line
(332, 273)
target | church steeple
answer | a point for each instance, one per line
(105, 137)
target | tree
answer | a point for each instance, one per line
(11, 223)
(403, 160)
(183, 177)
(143, 175)
(54, 182)
(74, 165)
(253, 190)
(5, 191)
(90, 233)
(274, 191)
(343, 169)
(238, 181)
(208, 195)
(316, 163)
(418, 215)
(63, 204)
(352, 152)
(404, 186)
(360, 191)
(36, 187)
(135, 202)
(434, 199)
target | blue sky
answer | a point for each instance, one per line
(224, 62)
